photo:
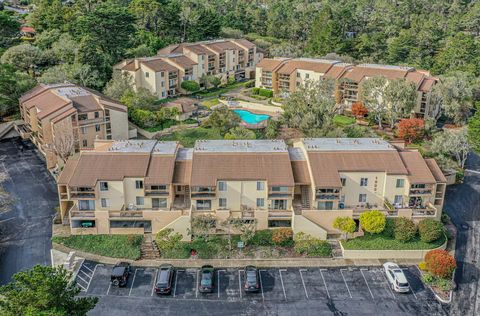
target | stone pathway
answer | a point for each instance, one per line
(149, 249)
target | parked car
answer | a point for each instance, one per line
(252, 279)
(120, 273)
(164, 280)
(206, 281)
(396, 277)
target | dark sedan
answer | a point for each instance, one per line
(252, 279)
(206, 279)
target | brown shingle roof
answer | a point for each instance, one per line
(359, 72)
(160, 170)
(68, 171)
(436, 171)
(92, 167)
(198, 49)
(300, 172)
(222, 46)
(326, 166)
(207, 169)
(130, 66)
(337, 70)
(244, 42)
(183, 172)
(427, 84)
(158, 65)
(269, 64)
(183, 61)
(418, 171)
(86, 103)
(320, 66)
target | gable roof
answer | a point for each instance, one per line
(418, 171)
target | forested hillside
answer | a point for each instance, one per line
(80, 40)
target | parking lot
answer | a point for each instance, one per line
(277, 284)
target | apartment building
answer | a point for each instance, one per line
(143, 186)
(283, 76)
(63, 118)
(164, 73)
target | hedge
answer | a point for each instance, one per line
(430, 229)
(405, 229)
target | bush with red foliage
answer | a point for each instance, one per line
(283, 237)
(411, 129)
(440, 263)
(359, 110)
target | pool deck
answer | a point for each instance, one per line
(256, 108)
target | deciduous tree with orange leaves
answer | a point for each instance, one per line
(440, 263)
(411, 129)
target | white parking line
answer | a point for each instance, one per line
(388, 285)
(303, 282)
(345, 282)
(261, 285)
(85, 273)
(240, 283)
(175, 285)
(81, 279)
(109, 286)
(88, 268)
(324, 283)
(94, 270)
(196, 284)
(82, 288)
(154, 282)
(413, 292)
(361, 271)
(281, 280)
(133, 281)
(218, 282)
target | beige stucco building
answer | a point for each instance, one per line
(284, 75)
(164, 73)
(64, 118)
(137, 186)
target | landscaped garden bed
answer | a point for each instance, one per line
(115, 246)
(187, 137)
(437, 272)
(385, 242)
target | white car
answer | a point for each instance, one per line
(396, 277)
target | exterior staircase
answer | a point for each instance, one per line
(187, 197)
(149, 249)
(305, 190)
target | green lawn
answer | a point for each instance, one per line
(382, 242)
(211, 102)
(116, 246)
(220, 90)
(187, 137)
(342, 120)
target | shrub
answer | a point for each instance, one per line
(440, 263)
(443, 284)
(405, 229)
(311, 247)
(283, 237)
(167, 239)
(389, 230)
(190, 85)
(266, 93)
(255, 90)
(445, 218)
(373, 221)
(359, 110)
(250, 84)
(428, 278)
(345, 224)
(430, 230)
(262, 238)
(411, 129)
(422, 266)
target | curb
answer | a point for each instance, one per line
(231, 263)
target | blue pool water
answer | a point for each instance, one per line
(251, 118)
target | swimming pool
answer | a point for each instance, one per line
(251, 118)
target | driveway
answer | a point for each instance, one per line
(25, 230)
(287, 291)
(463, 207)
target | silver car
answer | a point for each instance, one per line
(396, 277)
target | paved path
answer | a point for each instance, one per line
(463, 206)
(25, 231)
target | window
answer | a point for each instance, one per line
(307, 76)
(84, 130)
(82, 117)
(362, 198)
(86, 205)
(97, 127)
(162, 74)
(279, 204)
(158, 187)
(147, 74)
(204, 205)
(97, 115)
(139, 184)
(159, 203)
(260, 202)
(222, 186)
(298, 75)
(104, 202)
(342, 198)
(363, 182)
(140, 200)
(400, 183)
(162, 84)
(84, 143)
(325, 205)
(279, 189)
(222, 202)
(103, 186)
(260, 186)
(343, 181)
(398, 200)
(163, 94)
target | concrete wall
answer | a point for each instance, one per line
(303, 224)
(119, 124)
(325, 219)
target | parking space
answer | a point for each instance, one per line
(276, 284)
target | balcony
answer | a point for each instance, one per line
(203, 192)
(272, 213)
(421, 191)
(125, 213)
(149, 192)
(328, 197)
(91, 121)
(75, 213)
(82, 193)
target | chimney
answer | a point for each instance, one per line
(137, 63)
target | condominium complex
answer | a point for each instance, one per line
(163, 74)
(283, 76)
(64, 118)
(143, 186)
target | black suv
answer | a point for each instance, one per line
(206, 281)
(252, 280)
(120, 273)
(165, 273)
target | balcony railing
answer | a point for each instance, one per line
(76, 213)
(125, 213)
(425, 191)
(279, 213)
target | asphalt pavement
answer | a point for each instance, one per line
(25, 230)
